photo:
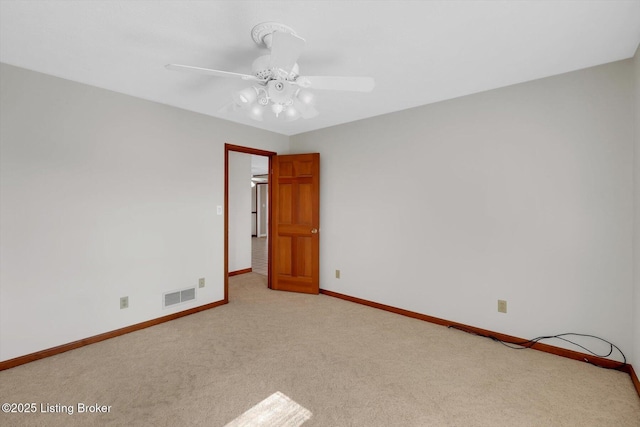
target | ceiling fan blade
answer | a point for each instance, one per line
(211, 72)
(285, 50)
(355, 84)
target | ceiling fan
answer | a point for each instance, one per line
(276, 82)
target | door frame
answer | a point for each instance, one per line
(258, 152)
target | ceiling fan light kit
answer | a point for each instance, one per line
(277, 84)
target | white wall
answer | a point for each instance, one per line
(102, 196)
(523, 193)
(636, 334)
(239, 211)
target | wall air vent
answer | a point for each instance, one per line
(177, 297)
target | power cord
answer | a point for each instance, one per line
(530, 343)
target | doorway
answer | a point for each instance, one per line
(293, 225)
(229, 148)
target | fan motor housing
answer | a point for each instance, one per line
(260, 69)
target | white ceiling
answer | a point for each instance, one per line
(419, 52)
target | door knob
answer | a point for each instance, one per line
(314, 231)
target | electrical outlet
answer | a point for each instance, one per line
(337, 274)
(201, 282)
(502, 306)
(124, 302)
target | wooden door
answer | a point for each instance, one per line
(295, 237)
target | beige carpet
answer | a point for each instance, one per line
(349, 365)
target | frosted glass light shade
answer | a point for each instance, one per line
(291, 114)
(306, 97)
(256, 112)
(245, 97)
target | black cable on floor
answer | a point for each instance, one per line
(529, 343)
